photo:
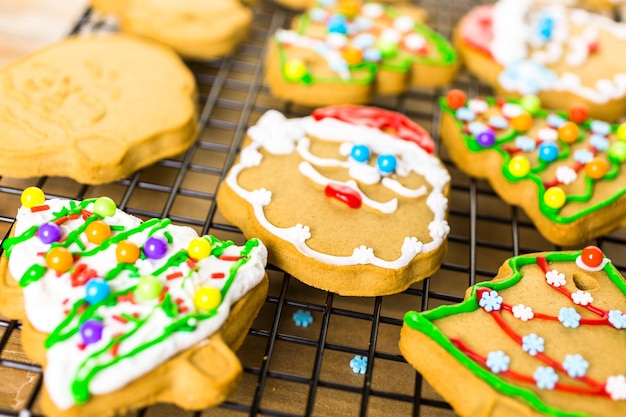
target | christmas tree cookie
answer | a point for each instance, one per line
(123, 313)
(565, 170)
(345, 51)
(546, 337)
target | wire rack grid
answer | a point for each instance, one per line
(290, 370)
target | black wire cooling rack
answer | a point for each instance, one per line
(291, 370)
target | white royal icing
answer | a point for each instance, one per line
(410, 158)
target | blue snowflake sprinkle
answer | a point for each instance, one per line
(617, 319)
(490, 301)
(302, 318)
(498, 122)
(498, 361)
(583, 156)
(358, 364)
(532, 344)
(525, 143)
(476, 127)
(600, 128)
(569, 317)
(599, 142)
(545, 377)
(464, 114)
(575, 365)
(555, 121)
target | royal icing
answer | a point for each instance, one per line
(357, 39)
(110, 321)
(569, 371)
(554, 152)
(528, 40)
(278, 135)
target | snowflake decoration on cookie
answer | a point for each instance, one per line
(302, 318)
(617, 319)
(359, 364)
(555, 278)
(522, 312)
(532, 344)
(582, 298)
(616, 387)
(498, 361)
(575, 365)
(490, 301)
(545, 377)
(569, 317)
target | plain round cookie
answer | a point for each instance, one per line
(95, 109)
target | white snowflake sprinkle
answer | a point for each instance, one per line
(555, 278)
(566, 175)
(582, 298)
(616, 387)
(522, 312)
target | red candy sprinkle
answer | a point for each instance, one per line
(456, 99)
(592, 256)
(230, 258)
(174, 275)
(43, 207)
(343, 193)
(218, 275)
(578, 113)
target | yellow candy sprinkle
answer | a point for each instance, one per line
(554, 197)
(519, 166)
(621, 132)
(295, 69)
(32, 197)
(199, 248)
(207, 298)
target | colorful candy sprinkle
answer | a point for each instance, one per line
(592, 256)
(155, 247)
(199, 248)
(32, 196)
(522, 122)
(96, 290)
(530, 104)
(519, 166)
(621, 132)
(486, 138)
(98, 231)
(49, 232)
(596, 168)
(91, 331)
(149, 288)
(386, 163)
(207, 298)
(578, 113)
(568, 132)
(127, 252)
(456, 99)
(617, 152)
(59, 259)
(104, 206)
(554, 197)
(360, 153)
(295, 70)
(548, 151)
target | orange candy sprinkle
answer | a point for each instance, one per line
(596, 168)
(352, 55)
(97, 232)
(349, 8)
(568, 132)
(522, 122)
(59, 259)
(456, 99)
(127, 252)
(578, 113)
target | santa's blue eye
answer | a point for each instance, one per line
(386, 163)
(360, 153)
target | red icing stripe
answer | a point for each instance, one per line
(390, 122)
(344, 193)
(43, 207)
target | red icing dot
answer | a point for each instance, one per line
(592, 256)
(578, 113)
(343, 193)
(456, 99)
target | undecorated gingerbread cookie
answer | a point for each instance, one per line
(124, 313)
(566, 170)
(95, 109)
(351, 199)
(546, 337)
(346, 51)
(565, 56)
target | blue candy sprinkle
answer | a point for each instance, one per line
(302, 318)
(359, 364)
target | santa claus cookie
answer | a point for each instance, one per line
(545, 338)
(351, 199)
(567, 171)
(565, 56)
(345, 51)
(123, 313)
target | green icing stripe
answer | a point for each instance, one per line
(550, 213)
(424, 322)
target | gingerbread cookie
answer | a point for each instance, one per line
(567, 171)
(123, 313)
(351, 199)
(345, 51)
(544, 338)
(565, 56)
(199, 29)
(95, 109)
